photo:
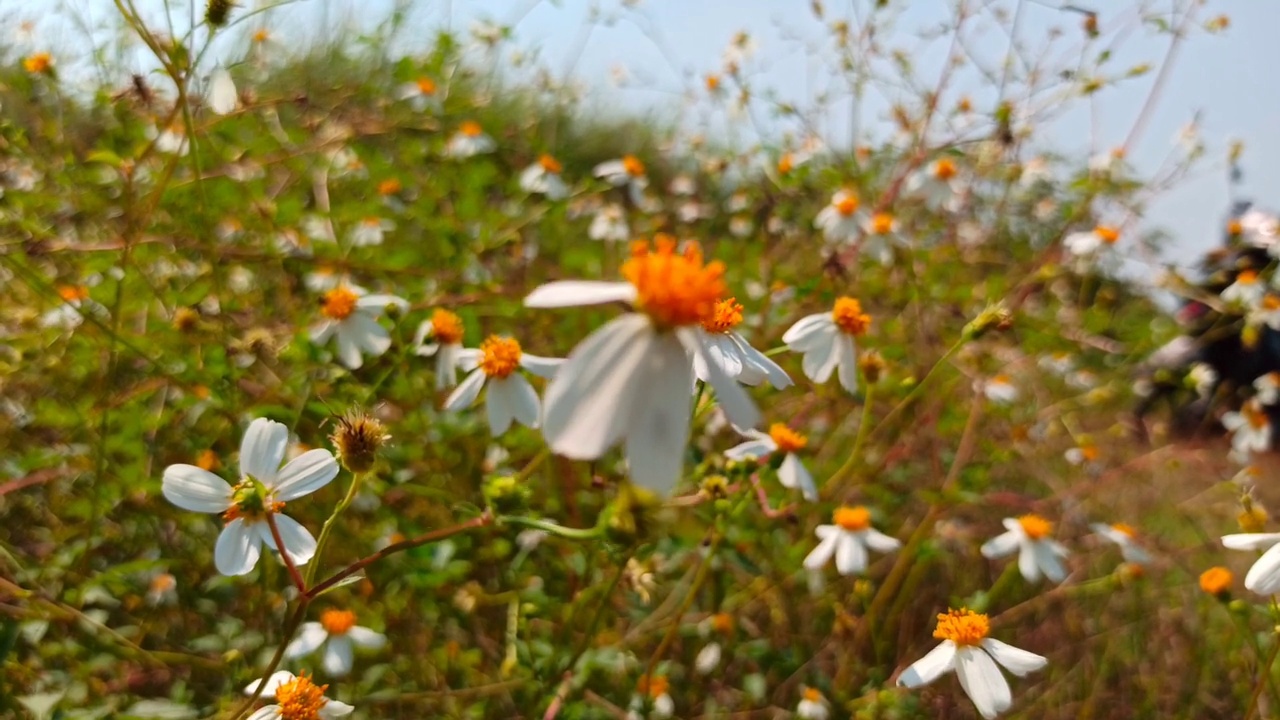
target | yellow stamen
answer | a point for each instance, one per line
(446, 327)
(1234, 228)
(164, 582)
(38, 63)
(261, 36)
(674, 289)
(301, 699)
(372, 222)
(727, 316)
(786, 439)
(207, 460)
(853, 519)
(390, 186)
(1247, 277)
(1125, 529)
(881, 223)
(944, 169)
(1089, 453)
(813, 694)
(962, 627)
(499, 356)
(1109, 235)
(848, 316)
(632, 165)
(1216, 580)
(654, 687)
(73, 293)
(338, 303)
(550, 164)
(337, 622)
(1035, 527)
(471, 128)
(722, 623)
(1256, 416)
(786, 163)
(845, 203)
(426, 86)
(713, 83)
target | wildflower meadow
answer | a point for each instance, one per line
(395, 372)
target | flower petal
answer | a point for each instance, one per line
(1264, 576)
(335, 709)
(735, 401)
(237, 549)
(658, 429)
(274, 681)
(573, 293)
(522, 401)
(305, 474)
(338, 656)
(880, 542)
(311, 636)
(847, 362)
(937, 661)
(268, 712)
(822, 553)
(805, 327)
(1250, 541)
(1016, 660)
(195, 489)
(1028, 562)
(297, 539)
(464, 396)
(1003, 544)
(541, 366)
(851, 554)
(262, 449)
(348, 347)
(793, 474)
(752, 449)
(366, 333)
(497, 404)
(366, 638)
(982, 682)
(1048, 560)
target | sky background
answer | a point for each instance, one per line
(665, 47)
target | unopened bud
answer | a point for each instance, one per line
(873, 366)
(995, 317)
(506, 494)
(358, 439)
(217, 12)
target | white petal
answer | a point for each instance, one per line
(1003, 544)
(268, 712)
(752, 449)
(274, 681)
(310, 637)
(937, 661)
(338, 656)
(1264, 576)
(822, 553)
(658, 429)
(348, 347)
(497, 404)
(464, 396)
(793, 474)
(721, 349)
(237, 549)
(1250, 541)
(805, 327)
(321, 333)
(541, 366)
(222, 92)
(522, 401)
(880, 542)
(588, 404)
(262, 449)
(1028, 563)
(366, 638)
(376, 304)
(982, 682)
(847, 362)
(335, 709)
(851, 554)
(573, 293)
(1048, 560)
(195, 489)
(447, 366)
(297, 539)
(820, 358)
(758, 362)
(366, 333)
(468, 359)
(305, 474)
(735, 401)
(1015, 660)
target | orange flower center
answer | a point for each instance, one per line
(372, 222)
(550, 164)
(786, 163)
(632, 165)
(261, 36)
(164, 582)
(722, 623)
(674, 289)
(301, 699)
(1256, 416)
(426, 86)
(881, 223)
(962, 627)
(38, 63)
(813, 695)
(853, 519)
(944, 169)
(846, 203)
(390, 186)
(1271, 302)
(848, 316)
(1216, 580)
(1247, 277)
(1035, 527)
(727, 316)
(73, 293)
(1125, 529)
(471, 128)
(786, 439)
(1089, 452)
(337, 622)
(249, 501)
(1234, 227)
(713, 82)
(654, 687)
(338, 303)
(207, 460)
(1109, 235)
(446, 327)
(499, 356)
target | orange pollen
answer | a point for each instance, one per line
(632, 165)
(1256, 416)
(1118, 153)
(944, 169)
(881, 223)
(1125, 529)
(499, 356)
(207, 461)
(550, 164)
(261, 36)
(390, 186)
(853, 519)
(73, 293)
(722, 623)
(674, 289)
(471, 128)
(727, 316)
(1247, 277)
(164, 582)
(1109, 235)
(1089, 452)
(338, 303)
(786, 439)
(786, 163)
(813, 695)
(202, 392)
(962, 627)
(301, 699)
(337, 622)
(1035, 527)
(426, 86)
(1271, 302)
(965, 105)
(372, 222)
(654, 687)
(236, 512)
(845, 203)
(1234, 227)
(713, 82)
(446, 327)
(848, 316)
(38, 63)
(1216, 580)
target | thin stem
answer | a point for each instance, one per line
(553, 528)
(284, 554)
(328, 525)
(864, 427)
(289, 628)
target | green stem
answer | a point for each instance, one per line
(328, 526)
(554, 529)
(863, 427)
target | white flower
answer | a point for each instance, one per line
(351, 319)
(510, 396)
(444, 330)
(629, 381)
(264, 487)
(1246, 291)
(735, 356)
(1081, 244)
(848, 540)
(318, 228)
(293, 692)
(470, 140)
(543, 177)
(827, 342)
(653, 690)
(1203, 378)
(627, 171)
(222, 97)
(609, 223)
(421, 94)
(682, 185)
(369, 232)
(173, 140)
(1058, 363)
(791, 473)
(1126, 538)
(338, 632)
(812, 705)
(1252, 429)
(840, 221)
(741, 226)
(1266, 312)
(1264, 576)
(937, 184)
(1108, 163)
(1000, 389)
(1038, 554)
(71, 312)
(966, 649)
(708, 658)
(1267, 388)
(880, 236)
(162, 590)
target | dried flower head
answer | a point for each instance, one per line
(358, 439)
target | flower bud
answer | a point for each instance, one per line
(506, 494)
(873, 366)
(217, 12)
(358, 439)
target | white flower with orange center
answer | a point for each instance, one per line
(350, 318)
(1247, 290)
(732, 352)
(422, 94)
(1266, 312)
(369, 231)
(938, 184)
(1264, 576)
(543, 178)
(627, 172)
(848, 539)
(441, 336)
(1266, 388)
(71, 312)
(610, 224)
(880, 236)
(1251, 427)
(827, 341)
(967, 649)
(296, 698)
(173, 139)
(812, 705)
(338, 632)
(470, 140)
(629, 381)
(1126, 538)
(1038, 553)
(263, 489)
(653, 695)
(1086, 243)
(510, 396)
(1000, 389)
(841, 220)
(780, 439)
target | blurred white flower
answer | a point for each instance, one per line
(1038, 553)
(510, 397)
(338, 633)
(827, 342)
(848, 540)
(468, 141)
(441, 336)
(609, 223)
(780, 439)
(350, 318)
(840, 221)
(543, 178)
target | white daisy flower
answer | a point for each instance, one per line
(937, 184)
(812, 705)
(719, 625)
(222, 97)
(421, 94)
(444, 331)
(264, 487)
(609, 223)
(1267, 388)
(1246, 291)
(162, 590)
(791, 473)
(967, 650)
(297, 698)
(735, 356)
(338, 633)
(880, 236)
(75, 305)
(351, 320)
(1266, 312)
(543, 178)
(628, 172)
(323, 279)
(827, 342)
(369, 231)
(629, 381)
(510, 396)
(1038, 554)
(1264, 576)
(1126, 538)
(1082, 244)
(1251, 427)
(848, 540)
(1203, 378)
(1000, 389)
(470, 140)
(653, 693)
(173, 139)
(318, 228)
(840, 221)
(1059, 363)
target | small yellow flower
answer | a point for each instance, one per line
(1216, 580)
